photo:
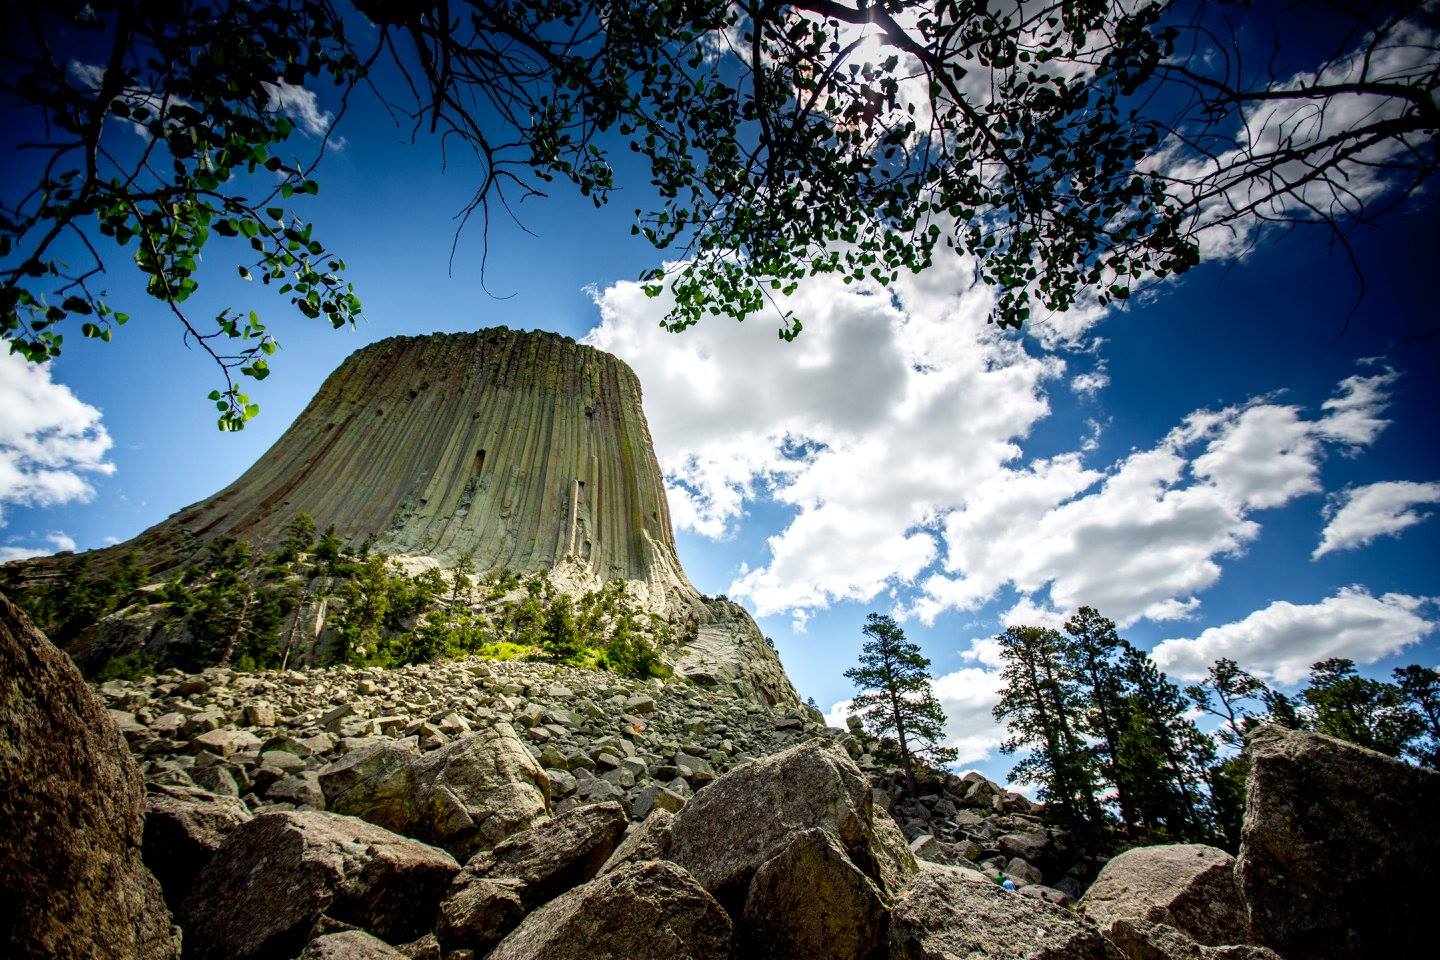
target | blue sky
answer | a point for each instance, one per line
(1177, 463)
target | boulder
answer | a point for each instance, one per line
(466, 796)
(1140, 939)
(497, 887)
(1339, 855)
(276, 875)
(349, 945)
(945, 914)
(735, 824)
(647, 840)
(72, 879)
(651, 909)
(1186, 885)
(809, 902)
(183, 829)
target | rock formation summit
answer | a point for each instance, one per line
(527, 450)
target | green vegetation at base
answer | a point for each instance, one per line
(225, 605)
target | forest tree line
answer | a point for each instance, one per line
(1115, 745)
(227, 604)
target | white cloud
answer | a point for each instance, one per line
(1282, 640)
(968, 695)
(1145, 537)
(1089, 385)
(891, 433)
(58, 541)
(867, 428)
(300, 105)
(49, 439)
(1360, 515)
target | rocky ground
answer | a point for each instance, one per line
(343, 739)
(481, 811)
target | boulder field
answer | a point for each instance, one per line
(489, 810)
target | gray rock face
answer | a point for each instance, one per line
(71, 876)
(734, 825)
(1188, 886)
(1339, 855)
(349, 945)
(183, 829)
(647, 840)
(809, 902)
(466, 796)
(1145, 940)
(276, 875)
(945, 916)
(651, 909)
(496, 888)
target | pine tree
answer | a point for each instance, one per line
(896, 702)
(1163, 753)
(1369, 712)
(1420, 688)
(1227, 693)
(1091, 656)
(1041, 703)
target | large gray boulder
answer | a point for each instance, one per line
(735, 824)
(349, 945)
(72, 880)
(466, 796)
(947, 915)
(183, 829)
(498, 887)
(1339, 854)
(809, 902)
(1146, 940)
(277, 875)
(651, 909)
(1188, 886)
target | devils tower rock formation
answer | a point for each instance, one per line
(527, 450)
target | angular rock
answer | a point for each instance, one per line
(651, 909)
(729, 829)
(944, 915)
(349, 945)
(497, 887)
(276, 875)
(1141, 939)
(809, 902)
(72, 882)
(466, 796)
(646, 840)
(1186, 885)
(1339, 856)
(183, 829)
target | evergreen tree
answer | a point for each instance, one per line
(1420, 688)
(560, 637)
(896, 702)
(1041, 703)
(1091, 655)
(1368, 712)
(1163, 754)
(1227, 693)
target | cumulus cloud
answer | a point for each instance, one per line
(1282, 640)
(1145, 537)
(867, 428)
(1360, 515)
(51, 442)
(57, 541)
(892, 432)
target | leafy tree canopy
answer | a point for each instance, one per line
(1069, 150)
